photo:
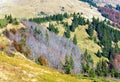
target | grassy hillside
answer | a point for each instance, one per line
(20, 69)
(82, 37)
(34, 8)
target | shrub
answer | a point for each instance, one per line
(43, 61)
(17, 46)
(13, 30)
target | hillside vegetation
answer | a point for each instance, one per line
(20, 69)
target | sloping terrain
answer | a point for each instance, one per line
(82, 37)
(20, 69)
(111, 14)
(31, 8)
(37, 41)
(104, 2)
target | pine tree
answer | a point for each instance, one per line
(102, 68)
(67, 33)
(75, 40)
(71, 62)
(91, 73)
(90, 31)
(66, 66)
(99, 54)
(72, 27)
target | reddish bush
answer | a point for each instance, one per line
(13, 31)
(17, 46)
(43, 61)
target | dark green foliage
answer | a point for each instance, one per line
(118, 7)
(85, 68)
(57, 17)
(72, 27)
(75, 40)
(91, 72)
(53, 29)
(66, 15)
(91, 2)
(82, 21)
(69, 64)
(67, 33)
(102, 68)
(90, 31)
(15, 22)
(105, 15)
(87, 62)
(98, 54)
(117, 75)
(12, 20)
(106, 35)
(37, 31)
(77, 20)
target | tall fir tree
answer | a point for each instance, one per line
(75, 40)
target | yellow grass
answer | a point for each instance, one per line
(31, 8)
(20, 69)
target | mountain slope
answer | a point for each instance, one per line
(31, 8)
(20, 69)
(35, 41)
(103, 2)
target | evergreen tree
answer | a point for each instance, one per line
(72, 27)
(90, 31)
(75, 40)
(102, 68)
(67, 66)
(67, 33)
(91, 72)
(98, 54)
(71, 62)
(53, 29)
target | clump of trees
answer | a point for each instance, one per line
(69, 65)
(87, 62)
(102, 68)
(57, 17)
(12, 20)
(91, 2)
(53, 29)
(77, 20)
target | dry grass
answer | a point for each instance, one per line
(20, 69)
(31, 8)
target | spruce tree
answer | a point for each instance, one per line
(99, 54)
(75, 40)
(67, 33)
(90, 31)
(71, 62)
(66, 66)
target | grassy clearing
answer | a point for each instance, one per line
(20, 69)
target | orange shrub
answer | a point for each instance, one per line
(43, 61)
